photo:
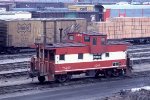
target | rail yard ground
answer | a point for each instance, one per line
(142, 93)
(15, 82)
(82, 89)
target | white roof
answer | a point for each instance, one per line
(83, 5)
(126, 6)
(41, 19)
(14, 12)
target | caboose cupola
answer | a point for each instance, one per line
(95, 41)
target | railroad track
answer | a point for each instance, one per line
(73, 82)
(139, 54)
(21, 51)
(16, 74)
(14, 56)
(14, 66)
(10, 70)
(13, 73)
(139, 46)
(141, 50)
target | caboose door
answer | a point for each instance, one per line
(51, 63)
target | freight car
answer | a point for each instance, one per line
(132, 29)
(88, 53)
(17, 34)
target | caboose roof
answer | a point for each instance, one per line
(95, 34)
(60, 45)
(91, 33)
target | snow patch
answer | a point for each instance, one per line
(135, 89)
(138, 89)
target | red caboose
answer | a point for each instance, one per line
(81, 53)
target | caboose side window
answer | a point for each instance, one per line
(116, 64)
(62, 57)
(107, 54)
(71, 37)
(86, 39)
(103, 41)
(94, 41)
(80, 56)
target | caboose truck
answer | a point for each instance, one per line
(82, 53)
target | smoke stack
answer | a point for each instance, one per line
(61, 29)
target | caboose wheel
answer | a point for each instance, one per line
(41, 79)
(97, 74)
(115, 73)
(108, 73)
(62, 78)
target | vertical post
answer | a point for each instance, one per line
(55, 35)
(60, 34)
(44, 33)
(39, 59)
(44, 43)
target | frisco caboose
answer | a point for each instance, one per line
(88, 53)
